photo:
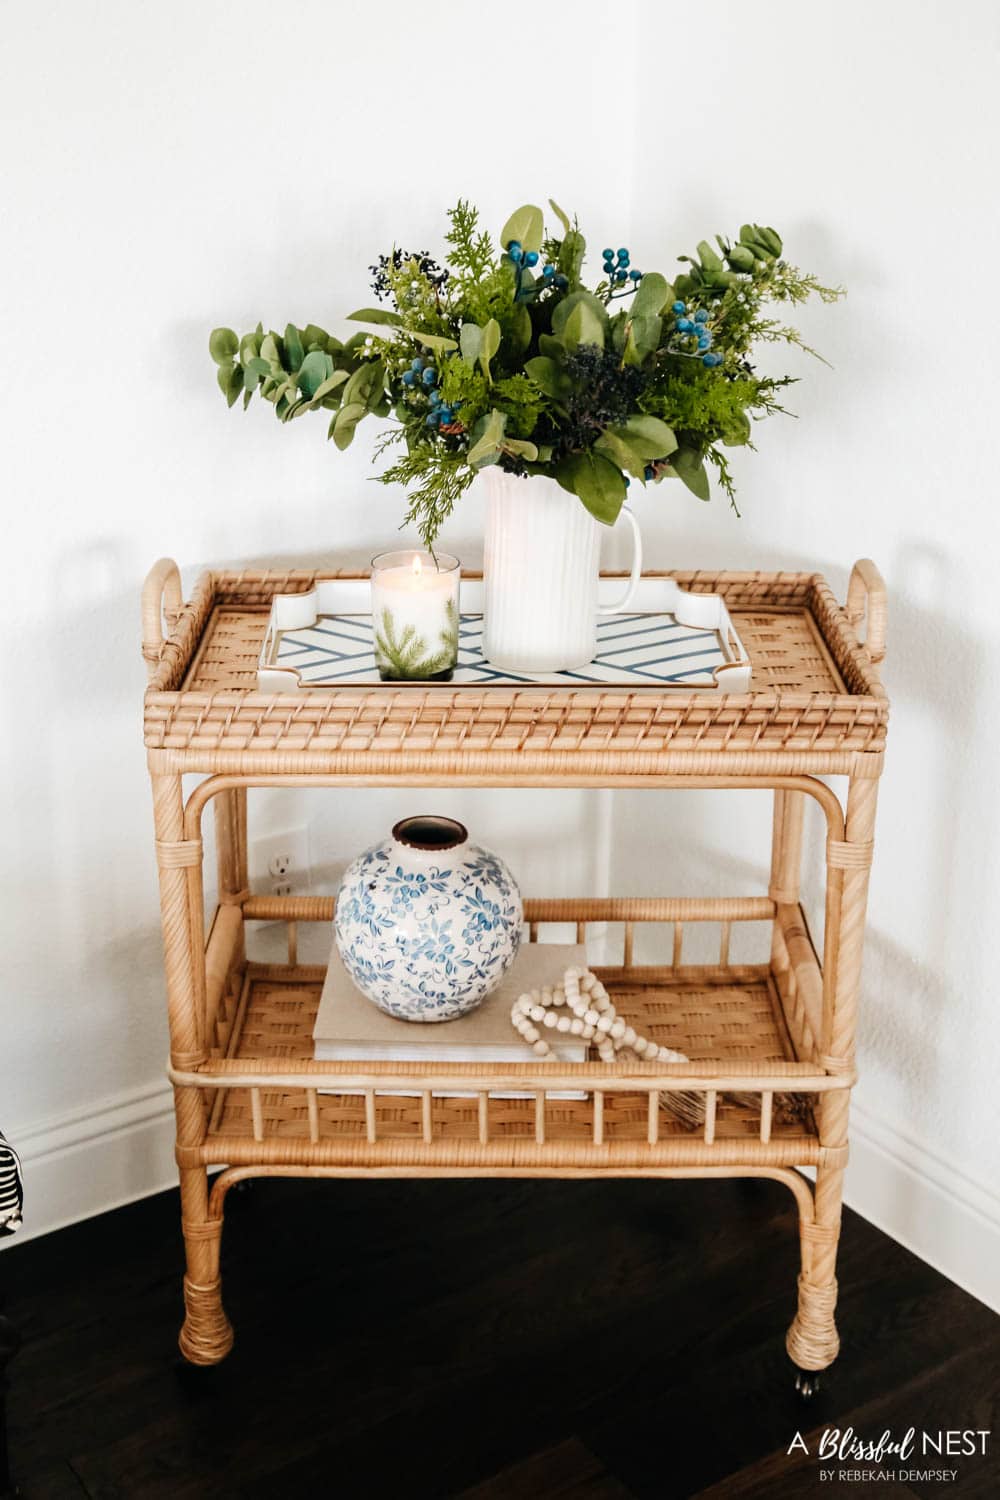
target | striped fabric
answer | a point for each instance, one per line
(11, 1192)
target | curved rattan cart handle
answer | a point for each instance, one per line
(161, 600)
(867, 590)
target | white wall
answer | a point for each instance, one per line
(868, 135)
(169, 168)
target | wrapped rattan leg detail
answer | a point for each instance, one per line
(812, 1340)
(207, 1335)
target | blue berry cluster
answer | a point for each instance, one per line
(529, 259)
(618, 270)
(422, 376)
(695, 328)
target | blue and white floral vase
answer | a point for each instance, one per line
(427, 924)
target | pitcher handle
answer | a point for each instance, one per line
(636, 573)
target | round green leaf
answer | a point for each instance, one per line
(249, 347)
(519, 330)
(490, 345)
(470, 342)
(570, 258)
(548, 377)
(520, 448)
(563, 219)
(599, 483)
(329, 385)
(269, 350)
(648, 435)
(652, 294)
(293, 347)
(223, 345)
(313, 371)
(551, 347)
(689, 466)
(574, 299)
(525, 225)
(361, 384)
(486, 449)
(234, 385)
(375, 315)
(253, 369)
(429, 340)
(583, 326)
(343, 425)
(628, 459)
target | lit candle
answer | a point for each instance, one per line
(415, 615)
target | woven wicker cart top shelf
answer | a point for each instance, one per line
(816, 700)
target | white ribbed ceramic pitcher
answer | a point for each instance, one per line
(540, 568)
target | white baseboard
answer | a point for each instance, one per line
(927, 1203)
(96, 1159)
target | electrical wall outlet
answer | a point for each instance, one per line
(279, 863)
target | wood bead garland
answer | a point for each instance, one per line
(593, 1016)
(583, 994)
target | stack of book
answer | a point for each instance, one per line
(349, 1028)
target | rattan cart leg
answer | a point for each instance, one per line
(786, 847)
(812, 1340)
(786, 859)
(206, 1336)
(230, 809)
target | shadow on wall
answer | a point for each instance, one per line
(937, 678)
(902, 1028)
(934, 853)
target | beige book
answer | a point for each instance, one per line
(350, 1028)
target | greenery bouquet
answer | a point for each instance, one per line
(504, 356)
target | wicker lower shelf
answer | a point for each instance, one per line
(752, 1090)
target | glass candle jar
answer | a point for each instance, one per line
(415, 615)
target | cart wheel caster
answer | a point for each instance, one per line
(807, 1383)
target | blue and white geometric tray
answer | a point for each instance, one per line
(667, 639)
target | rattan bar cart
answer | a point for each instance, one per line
(772, 1044)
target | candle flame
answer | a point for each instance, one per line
(418, 566)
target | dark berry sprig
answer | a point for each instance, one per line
(604, 393)
(423, 377)
(693, 336)
(426, 265)
(527, 260)
(618, 270)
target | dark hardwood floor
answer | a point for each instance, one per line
(481, 1340)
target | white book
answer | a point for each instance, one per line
(350, 1028)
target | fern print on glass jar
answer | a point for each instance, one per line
(426, 923)
(415, 604)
